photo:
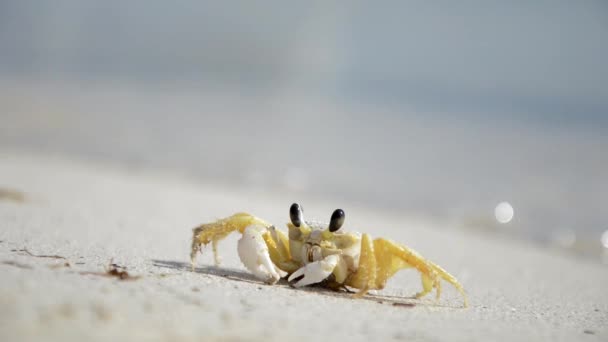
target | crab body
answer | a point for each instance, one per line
(316, 253)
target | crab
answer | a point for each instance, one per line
(316, 253)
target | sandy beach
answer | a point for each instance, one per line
(474, 133)
(64, 221)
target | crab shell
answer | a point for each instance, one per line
(313, 242)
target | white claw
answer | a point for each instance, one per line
(315, 272)
(254, 255)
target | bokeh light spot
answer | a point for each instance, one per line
(503, 212)
(604, 239)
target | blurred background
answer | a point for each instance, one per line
(488, 116)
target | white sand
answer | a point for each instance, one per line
(91, 214)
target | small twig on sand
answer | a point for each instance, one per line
(24, 250)
(17, 264)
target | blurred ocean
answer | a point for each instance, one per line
(440, 110)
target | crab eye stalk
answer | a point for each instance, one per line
(337, 220)
(296, 214)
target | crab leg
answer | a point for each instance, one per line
(278, 247)
(365, 277)
(430, 272)
(218, 230)
(276, 243)
(381, 259)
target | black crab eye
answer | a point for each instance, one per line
(337, 220)
(296, 214)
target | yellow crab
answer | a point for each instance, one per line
(314, 253)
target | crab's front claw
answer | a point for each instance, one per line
(315, 272)
(254, 254)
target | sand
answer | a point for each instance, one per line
(63, 221)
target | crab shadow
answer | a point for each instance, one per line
(243, 276)
(223, 272)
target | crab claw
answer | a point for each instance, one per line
(254, 255)
(314, 272)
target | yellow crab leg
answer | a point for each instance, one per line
(365, 277)
(377, 263)
(381, 259)
(277, 241)
(388, 263)
(278, 248)
(218, 230)
(430, 272)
